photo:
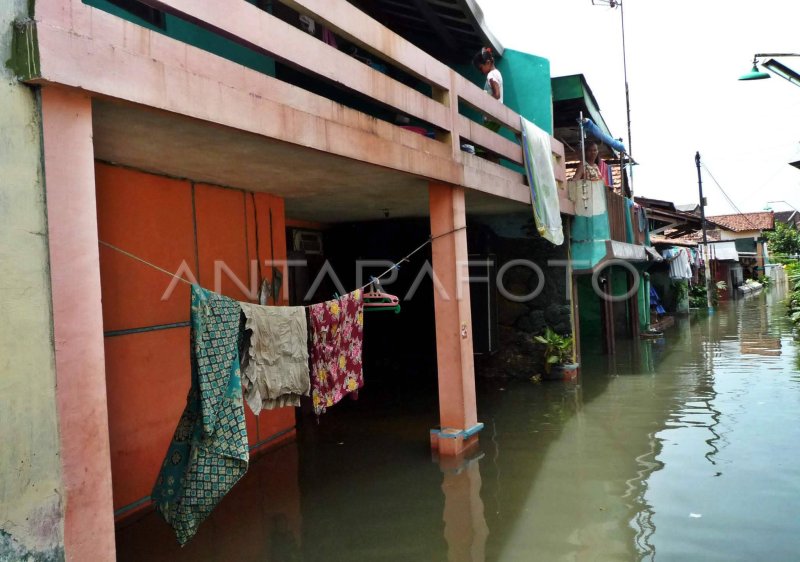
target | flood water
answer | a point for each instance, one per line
(681, 449)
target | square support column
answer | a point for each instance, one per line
(78, 325)
(457, 406)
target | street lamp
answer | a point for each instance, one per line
(784, 202)
(773, 66)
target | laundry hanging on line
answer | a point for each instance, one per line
(337, 336)
(209, 450)
(274, 356)
(679, 266)
(208, 453)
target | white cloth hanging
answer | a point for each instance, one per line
(275, 358)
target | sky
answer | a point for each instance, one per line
(683, 60)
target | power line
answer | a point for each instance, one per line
(738, 210)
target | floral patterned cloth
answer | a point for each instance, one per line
(337, 335)
(209, 452)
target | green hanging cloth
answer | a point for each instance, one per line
(209, 452)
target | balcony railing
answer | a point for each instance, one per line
(260, 31)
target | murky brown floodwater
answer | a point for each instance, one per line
(683, 451)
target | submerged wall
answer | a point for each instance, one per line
(31, 515)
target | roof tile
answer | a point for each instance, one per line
(745, 221)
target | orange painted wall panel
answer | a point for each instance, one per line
(279, 240)
(138, 212)
(222, 239)
(271, 422)
(148, 374)
(261, 509)
(148, 380)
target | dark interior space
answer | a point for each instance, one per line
(399, 350)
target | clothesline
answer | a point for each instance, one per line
(378, 277)
(417, 249)
(137, 258)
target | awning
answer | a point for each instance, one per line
(602, 136)
(722, 251)
(571, 97)
(653, 254)
(591, 255)
(624, 251)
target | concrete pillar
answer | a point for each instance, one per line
(77, 325)
(760, 269)
(457, 409)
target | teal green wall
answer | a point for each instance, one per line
(590, 315)
(644, 301)
(595, 227)
(619, 281)
(197, 37)
(588, 236)
(588, 254)
(526, 87)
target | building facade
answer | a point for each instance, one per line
(162, 138)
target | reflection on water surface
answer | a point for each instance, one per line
(679, 449)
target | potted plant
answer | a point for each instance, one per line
(557, 353)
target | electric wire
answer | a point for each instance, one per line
(738, 210)
(394, 266)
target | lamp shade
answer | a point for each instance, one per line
(783, 71)
(754, 74)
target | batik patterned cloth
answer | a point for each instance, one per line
(337, 335)
(209, 452)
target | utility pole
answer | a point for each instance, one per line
(618, 4)
(706, 253)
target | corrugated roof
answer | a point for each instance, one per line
(571, 96)
(450, 30)
(764, 220)
(674, 237)
(786, 217)
(689, 207)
